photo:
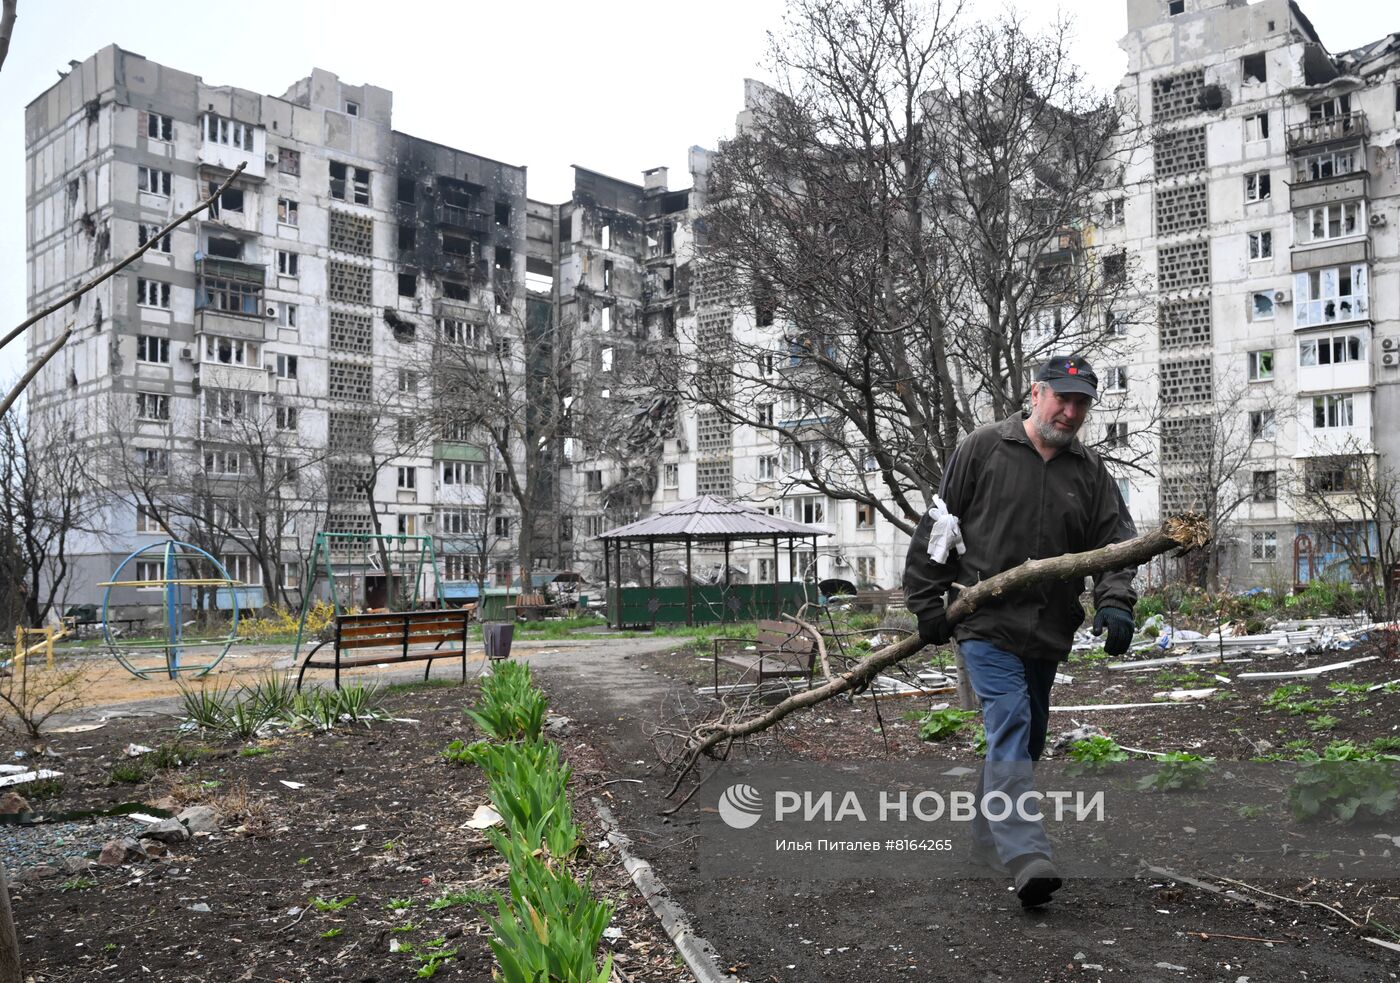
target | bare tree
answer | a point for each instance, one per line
(1209, 451)
(1351, 501)
(905, 217)
(48, 498)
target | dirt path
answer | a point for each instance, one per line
(1143, 929)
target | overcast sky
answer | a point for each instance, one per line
(614, 85)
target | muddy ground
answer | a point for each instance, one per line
(380, 817)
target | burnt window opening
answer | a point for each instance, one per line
(503, 258)
(456, 290)
(407, 237)
(352, 108)
(223, 248)
(668, 239)
(408, 190)
(458, 246)
(230, 201)
(1175, 7)
(408, 284)
(503, 213)
(500, 303)
(1255, 68)
(404, 330)
(765, 307)
(349, 183)
(607, 274)
(1115, 267)
(1212, 98)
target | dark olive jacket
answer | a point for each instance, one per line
(1014, 505)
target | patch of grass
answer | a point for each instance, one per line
(77, 884)
(399, 904)
(331, 933)
(1285, 698)
(1094, 752)
(405, 927)
(395, 688)
(303, 861)
(131, 771)
(176, 754)
(452, 899)
(1385, 745)
(1323, 723)
(938, 725)
(253, 751)
(1356, 692)
(44, 788)
(1180, 770)
(333, 904)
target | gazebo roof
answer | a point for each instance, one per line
(713, 519)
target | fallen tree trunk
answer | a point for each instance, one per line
(1177, 533)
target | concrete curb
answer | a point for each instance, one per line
(700, 957)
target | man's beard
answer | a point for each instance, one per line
(1053, 436)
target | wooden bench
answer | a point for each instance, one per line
(532, 607)
(781, 651)
(393, 636)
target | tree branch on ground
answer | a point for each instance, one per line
(1188, 532)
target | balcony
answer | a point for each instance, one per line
(1325, 191)
(463, 218)
(1328, 129)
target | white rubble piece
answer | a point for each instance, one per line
(1125, 706)
(25, 777)
(1186, 695)
(1302, 673)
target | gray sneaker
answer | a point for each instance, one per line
(1037, 878)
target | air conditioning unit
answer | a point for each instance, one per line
(1377, 220)
(186, 355)
(1390, 359)
(1390, 344)
(270, 157)
(1283, 296)
(271, 310)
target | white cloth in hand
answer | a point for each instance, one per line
(946, 534)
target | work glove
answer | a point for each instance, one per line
(934, 628)
(1120, 629)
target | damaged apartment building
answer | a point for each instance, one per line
(418, 347)
(1263, 212)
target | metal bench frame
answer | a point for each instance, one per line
(779, 651)
(394, 632)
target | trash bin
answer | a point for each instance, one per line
(498, 637)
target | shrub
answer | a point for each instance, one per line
(1179, 770)
(511, 708)
(938, 725)
(1345, 782)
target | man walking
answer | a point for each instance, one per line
(1024, 488)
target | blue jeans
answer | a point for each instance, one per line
(1015, 695)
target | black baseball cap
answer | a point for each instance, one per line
(1070, 374)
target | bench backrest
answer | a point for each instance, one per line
(531, 601)
(400, 629)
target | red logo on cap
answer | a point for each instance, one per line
(1073, 370)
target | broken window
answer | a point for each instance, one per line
(503, 214)
(1319, 167)
(408, 190)
(605, 360)
(1331, 350)
(1333, 411)
(408, 478)
(288, 263)
(407, 239)
(1256, 127)
(152, 293)
(352, 108)
(1330, 108)
(502, 483)
(865, 515)
(230, 351)
(288, 212)
(500, 303)
(1261, 366)
(463, 473)
(229, 132)
(503, 348)
(1261, 245)
(1265, 486)
(1261, 425)
(289, 161)
(144, 234)
(1334, 294)
(1115, 267)
(607, 274)
(670, 476)
(1262, 306)
(806, 508)
(764, 306)
(459, 332)
(605, 318)
(152, 349)
(764, 415)
(1115, 435)
(1113, 211)
(593, 481)
(1175, 7)
(605, 236)
(287, 315)
(408, 381)
(229, 296)
(152, 180)
(1330, 476)
(458, 246)
(153, 460)
(767, 467)
(1116, 379)
(153, 406)
(501, 526)
(286, 366)
(159, 127)
(456, 290)
(1335, 221)
(349, 183)
(408, 284)
(223, 247)
(148, 520)
(502, 258)
(1255, 68)
(1257, 186)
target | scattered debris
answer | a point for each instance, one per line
(168, 831)
(25, 777)
(136, 750)
(292, 784)
(1300, 673)
(200, 819)
(484, 817)
(1183, 695)
(1125, 706)
(13, 804)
